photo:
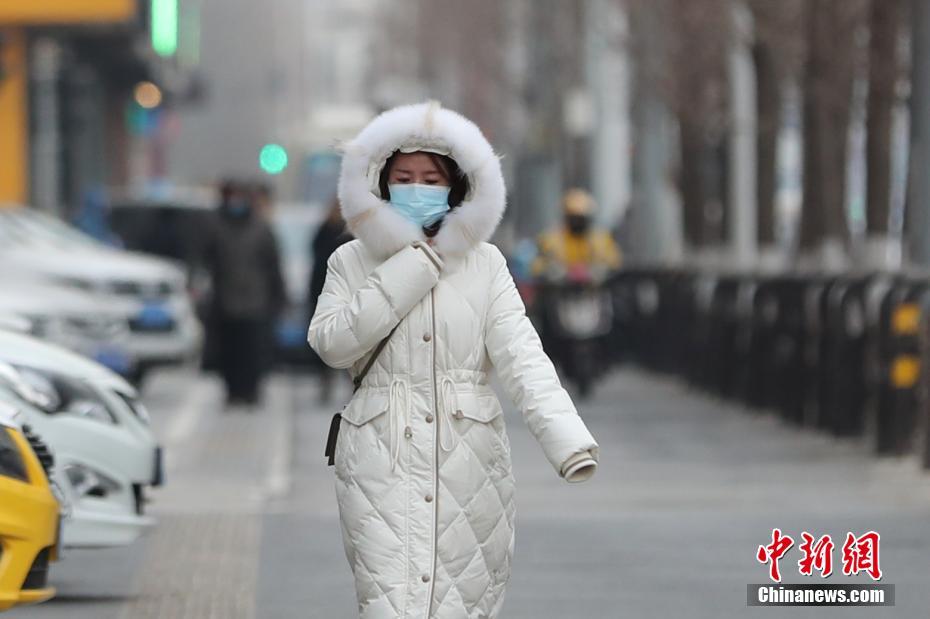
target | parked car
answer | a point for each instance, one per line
(29, 517)
(107, 456)
(167, 224)
(164, 224)
(70, 318)
(150, 293)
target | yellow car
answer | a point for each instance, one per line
(29, 516)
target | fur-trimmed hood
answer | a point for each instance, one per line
(424, 126)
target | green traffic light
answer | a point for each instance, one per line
(272, 158)
(165, 27)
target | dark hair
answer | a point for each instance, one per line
(227, 188)
(450, 171)
(262, 190)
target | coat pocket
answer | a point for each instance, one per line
(365, 406)
(479, 421)
(477, 407)
(360, 433)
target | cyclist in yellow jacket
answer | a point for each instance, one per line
(576, 243)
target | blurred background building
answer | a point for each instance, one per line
(716, 128)
(86, 95)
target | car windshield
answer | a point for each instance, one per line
(167, 230)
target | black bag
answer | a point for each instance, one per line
(330, 451)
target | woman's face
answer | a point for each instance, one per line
(417, 168)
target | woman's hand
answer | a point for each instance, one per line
(428, 248)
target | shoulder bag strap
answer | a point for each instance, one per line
(357, 381)
(330, 451)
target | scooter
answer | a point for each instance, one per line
(578, 316)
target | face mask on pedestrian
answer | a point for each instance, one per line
(424, 205)
(578, 224)
(238, 208)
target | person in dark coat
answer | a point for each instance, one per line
(331, 234)
(248, 292)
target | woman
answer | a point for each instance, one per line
(423, 474)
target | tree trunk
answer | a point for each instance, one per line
(768, 107)
(827, 91)
(812, 211)
(693, 196)
(917, 206)
(883, 67)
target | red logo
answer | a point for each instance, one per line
(860, 554)
(773, 552)
(817, 555)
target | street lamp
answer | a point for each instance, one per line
(147, 95)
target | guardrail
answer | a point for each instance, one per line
(847, 354)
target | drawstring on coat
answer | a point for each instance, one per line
(449, 404)
(399, 404)
(400, 390)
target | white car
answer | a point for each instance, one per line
(75, 320)
(105, 452)
(148, 292)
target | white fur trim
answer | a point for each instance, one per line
(425, 125)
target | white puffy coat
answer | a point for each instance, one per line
(422, 463)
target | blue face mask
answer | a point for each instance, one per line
(238, 208)
(424, 205)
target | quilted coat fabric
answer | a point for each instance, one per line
(422, 464)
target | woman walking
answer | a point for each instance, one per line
(422, 462)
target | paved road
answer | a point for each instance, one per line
(687, 489)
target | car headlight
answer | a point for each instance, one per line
(91, 409)
(75, 282)
(64, 394)
(14, 381)
(86, 481)
(137, 407)
(15, 323)
(38, 325)
(44, 326)
(43, 385)
(11, 458)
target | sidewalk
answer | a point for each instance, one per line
(687, 489)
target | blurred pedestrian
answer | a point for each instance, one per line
(577, 241)
(331, 234)
(248, 292)
(262, 197)
(420, 308)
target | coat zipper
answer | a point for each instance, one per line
(432, 580)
